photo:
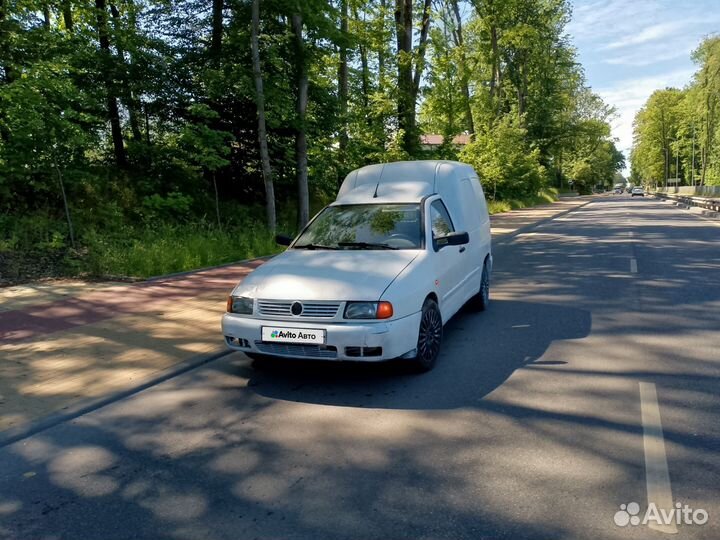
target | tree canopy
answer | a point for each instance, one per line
(676, 131)
(119, 111)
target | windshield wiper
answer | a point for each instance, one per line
(365, 245)
(313, 246)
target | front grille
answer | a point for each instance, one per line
(292, 349)
(266, 307)
(281, 308)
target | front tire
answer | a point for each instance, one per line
(429, 337)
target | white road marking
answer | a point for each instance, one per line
(657, 477)
(633, 265)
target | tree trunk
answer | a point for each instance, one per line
(112, 105)
(301, 76)
(67, 15)
(422, 45)
(467, 104)
(3, 48)
(65, 204)
(365, 76)
(409, 83)
(496, 76)
(405, 100)
(4, 135)
(46, 15)
(217, 201)
(217, 28)
(260, 105)
(381, 52)
(343, 85)
(128, 98)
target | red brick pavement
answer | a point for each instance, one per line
(37, 320)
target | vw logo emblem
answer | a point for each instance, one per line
(296, 308)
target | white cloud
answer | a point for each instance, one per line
(648, 56)
(649, 34)
(596, 20)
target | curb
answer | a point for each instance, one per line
(15, 434)
(509, 237)
(204, 269)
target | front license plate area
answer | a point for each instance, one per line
(282, 334)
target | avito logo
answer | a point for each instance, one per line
(629, 514)
(289, 334)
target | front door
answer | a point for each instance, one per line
(447, 262)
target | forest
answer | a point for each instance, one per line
(139, 137)
(676, 131)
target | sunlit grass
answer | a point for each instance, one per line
(173, 248)
(545, 196)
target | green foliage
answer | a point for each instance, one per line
(676, 131)
(175, 207)
(173, 92)
(508, 168)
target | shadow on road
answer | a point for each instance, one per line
(480, 351)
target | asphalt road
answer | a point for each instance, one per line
(538, 422)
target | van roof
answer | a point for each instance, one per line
(401, 181)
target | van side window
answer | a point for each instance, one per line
(440, 219)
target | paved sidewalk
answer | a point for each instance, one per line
(67, 343)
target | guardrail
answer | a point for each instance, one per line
(693, 191)
(707, 203)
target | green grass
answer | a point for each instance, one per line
(544, 196)
(172, 248)
(36, 246)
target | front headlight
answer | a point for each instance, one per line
(368, 310)
(240, 305)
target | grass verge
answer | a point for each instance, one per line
(545, 196)
(168, 249)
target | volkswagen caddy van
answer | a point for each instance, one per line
(376, 274)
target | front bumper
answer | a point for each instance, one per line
(357, 341)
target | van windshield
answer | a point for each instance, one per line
(364, 226)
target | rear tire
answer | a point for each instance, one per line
(429, 337)
(481, 300)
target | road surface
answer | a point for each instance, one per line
(592, 382)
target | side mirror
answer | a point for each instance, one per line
(283, 240)
(452, 239)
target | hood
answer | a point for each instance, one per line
(301, 274)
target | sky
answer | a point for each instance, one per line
(630, 48)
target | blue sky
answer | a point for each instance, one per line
(629, 48)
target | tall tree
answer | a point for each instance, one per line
(260, 105)
(127, 92)
(464, 79)
(343, 83)
(107, 66)
(409, 57)
(301, 102)
(217, 28)
(66, 6)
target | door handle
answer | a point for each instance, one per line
(462, 249)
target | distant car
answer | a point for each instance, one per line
(638, 191)
(618, 191)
